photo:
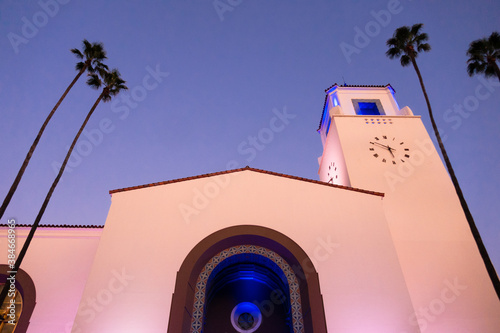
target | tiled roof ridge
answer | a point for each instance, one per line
(247, 168)
(360, 86)
(57, 226)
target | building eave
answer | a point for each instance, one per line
(241, 170)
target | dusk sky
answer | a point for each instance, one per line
(206, 76)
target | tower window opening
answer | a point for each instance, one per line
(366, 107)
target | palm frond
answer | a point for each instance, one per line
(494, 40)
(406, 43)
(103, 72)
(79, 66)
(98, 52)
(405, 60)
(476, 67)
(97, 66)
(421, 38)
(477, 47)
(477, 58)
(113, 83)
(426, 47)
(393, 52)
(93, 55)
(77, 52)
(87, 49)
(119, 86)
(94, 81)
(490, 71)
(483, 54)
(402, 34)
(391, 42)
(415, 29)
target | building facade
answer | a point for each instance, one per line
(378, 244)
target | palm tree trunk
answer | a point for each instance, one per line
(482, 249)
(26, 244)
(20, 173)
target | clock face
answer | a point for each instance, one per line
(333, 174)
(389, 149)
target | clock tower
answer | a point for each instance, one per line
(371, 143)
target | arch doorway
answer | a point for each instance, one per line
(25, 300)
(247, 291)
(247, 279)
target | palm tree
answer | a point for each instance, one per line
(112, 85)
(483, 55)
(92, 57)
(406, 43)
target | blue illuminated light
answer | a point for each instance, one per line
(332, 89)
(368, 109)
(326, 115)
(394, 97)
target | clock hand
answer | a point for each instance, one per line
(390, 151)
(379, 144)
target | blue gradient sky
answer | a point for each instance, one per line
(227, 73)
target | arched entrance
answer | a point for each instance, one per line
(247, 274)
(25, 286)
(247, 278)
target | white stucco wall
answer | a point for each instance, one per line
(449, 285)
(148, 237)
(58, 261)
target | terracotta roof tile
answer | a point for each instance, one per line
(360, 86)
(247, 168)
(57, 226)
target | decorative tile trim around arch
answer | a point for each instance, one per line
(201, 284)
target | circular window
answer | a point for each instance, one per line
(246, 317)
(245, 321)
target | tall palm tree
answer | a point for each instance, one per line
(405, 44)
(483, 55)
(112, 85)
(92, 57)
